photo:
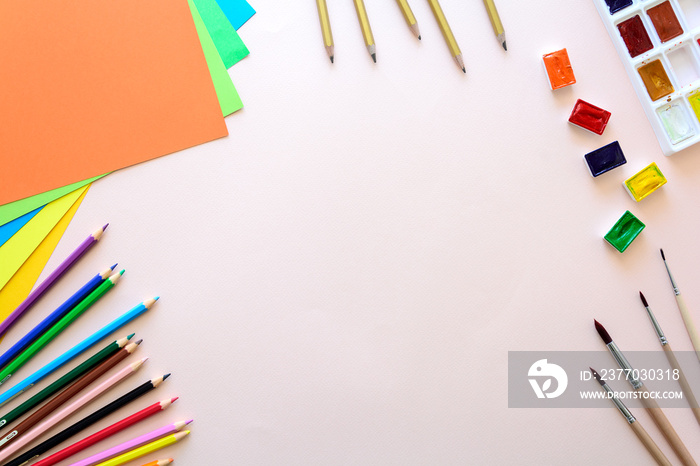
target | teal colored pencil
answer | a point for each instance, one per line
(58, 327)
(87, 365)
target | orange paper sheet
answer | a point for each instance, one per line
(90, 87)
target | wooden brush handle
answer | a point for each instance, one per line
(685, 386)
(649, 444)
(689, 325)
(667, 429)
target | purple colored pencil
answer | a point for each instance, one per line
(39, 291)
(133, 443)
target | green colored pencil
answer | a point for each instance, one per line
(58, 327)
(87, 365)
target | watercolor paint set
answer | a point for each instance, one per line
(658, 42)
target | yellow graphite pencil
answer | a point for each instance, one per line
(496, 22)
(325, 27)
(409, 17)
(447, 33)
(366, 29)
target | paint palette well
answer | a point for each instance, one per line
(658, 42)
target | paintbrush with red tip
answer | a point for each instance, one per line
(649, 403)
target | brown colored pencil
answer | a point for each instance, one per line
(68, 393)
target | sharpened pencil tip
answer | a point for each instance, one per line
(644, 300)
(374, 57)
(114, 266)
(105, 227)
(156, 298)
(140, 341)
(504, 46)
(602, 332)
(662, 254)
(419, 38)
(131, 336)
(464, 70)
(166, 375)
(122, 272)
(174, 399)
(189, 421)
(331, 57)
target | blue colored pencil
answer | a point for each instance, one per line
(125, 318)
(55, 316)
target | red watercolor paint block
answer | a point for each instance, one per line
(589, 117)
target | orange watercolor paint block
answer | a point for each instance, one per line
(558, 68)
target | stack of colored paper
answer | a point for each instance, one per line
(92, 87)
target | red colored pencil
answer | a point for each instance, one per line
(106, 432)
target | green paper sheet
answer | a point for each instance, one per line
(229, 45)
(13, 210)
(225, 91)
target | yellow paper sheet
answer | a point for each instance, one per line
(18, 248)
(17, 289)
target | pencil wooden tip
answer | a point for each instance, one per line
(415, 30)
(644, 300)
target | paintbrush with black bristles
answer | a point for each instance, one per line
(649, 403)
(685, 386)
(685, 312)
(637, 428)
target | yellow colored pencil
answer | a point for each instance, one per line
(146, 449)
(409, 17)
(366, 29)
(325, 27)
(496, 22)
(164, 462)
(447, 33)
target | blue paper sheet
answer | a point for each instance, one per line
(237, 11)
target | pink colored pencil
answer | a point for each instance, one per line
(51, 280)
(57, 417)
(133, 443)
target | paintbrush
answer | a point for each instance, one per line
(637, 428)
(685, 386)
(649, 403)
(685, 313)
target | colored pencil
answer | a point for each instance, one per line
(86, 422)
(366, 29)
(54, 317)
(131, 444)
(650, 404)
(68, 378)
(685, 312)
(666, 346)
(409, 17)
(105, 433)
(325, 27)
(447, 33)
(146, 449)
(52, 279)
(637, 428)
(75, 405)
(79, 348)
(164, 462)
(496, 22)
(67, 394)
(58, 327)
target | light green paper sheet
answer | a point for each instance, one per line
(13, 210)
(225, 91)
(18, 248)
(226, 40)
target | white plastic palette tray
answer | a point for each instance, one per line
(675, 122)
